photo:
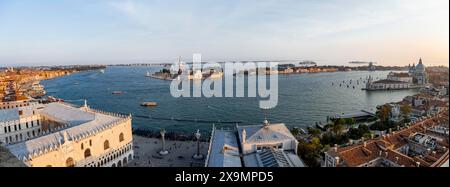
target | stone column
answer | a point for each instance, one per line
(163, 150)
(198, 155)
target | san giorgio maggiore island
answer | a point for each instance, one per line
(40, 130)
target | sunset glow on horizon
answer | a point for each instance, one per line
(330, 32)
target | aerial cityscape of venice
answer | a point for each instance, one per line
(297, 83)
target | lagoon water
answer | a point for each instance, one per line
(304, 99)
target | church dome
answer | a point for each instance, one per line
(420, 67)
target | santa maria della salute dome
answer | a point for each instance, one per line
(418, 73)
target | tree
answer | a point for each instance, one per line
(295, 131)
(337, 129)
(405, 111)
(384, 112)
(349, 121)
(310, 151)
(331, 139)
(313, 131)
(357, 133)
(340, 121)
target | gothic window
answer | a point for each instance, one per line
(87, 153)
(70, 162)
(121, 138)
(106, 145)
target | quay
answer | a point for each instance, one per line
(189, 120)
(357, 115)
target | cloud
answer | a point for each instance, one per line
(127, 7)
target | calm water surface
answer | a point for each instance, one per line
(303, 98)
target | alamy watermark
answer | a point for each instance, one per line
(207, 80)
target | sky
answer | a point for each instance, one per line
(330, 32)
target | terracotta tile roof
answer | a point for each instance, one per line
(385, 147)
(400, 159)
(402, 75)
(424, 95)
(421, 161)
(359, 154)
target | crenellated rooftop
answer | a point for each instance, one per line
(78, 124)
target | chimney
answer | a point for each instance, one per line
(396, 159)
(244, 136)
(337, 160)
(386, 154)
(418, 164)
(381, 152)
(365, 144)
(434, 153)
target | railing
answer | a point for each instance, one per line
(96, 159)
(46, 147)
(210, 145)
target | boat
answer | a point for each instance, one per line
(102, 71)
(149, 104)
(117, 92)
(148, 74)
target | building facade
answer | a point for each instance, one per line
(398, 81)
(267, 145)
(386, 84)
(417, 145)
(403, 77)
(61, 135)
(418, 73)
